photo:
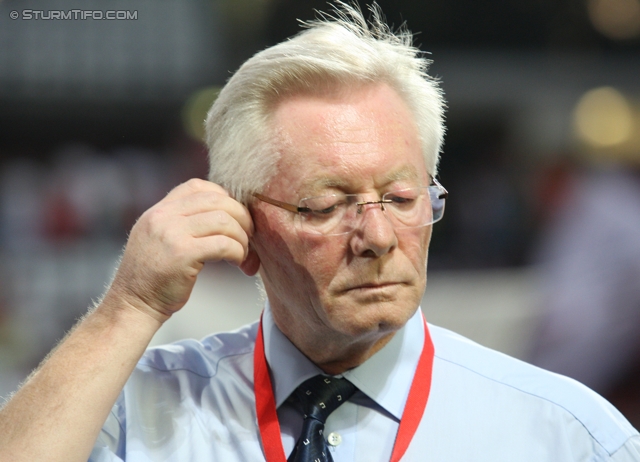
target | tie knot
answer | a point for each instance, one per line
(321, 395)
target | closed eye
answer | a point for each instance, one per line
(401, 200)
(327, 210)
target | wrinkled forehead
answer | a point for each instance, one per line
(337, 101)
(327, 87)
(362, 139)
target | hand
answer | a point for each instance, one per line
(168, 246)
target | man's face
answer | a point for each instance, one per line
(356, 287)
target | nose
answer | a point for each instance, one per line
(375, 235)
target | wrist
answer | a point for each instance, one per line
(120, 307)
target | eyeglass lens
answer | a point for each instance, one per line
(342, 213)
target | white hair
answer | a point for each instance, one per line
(334, 52)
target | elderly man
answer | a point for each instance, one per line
(324, 151)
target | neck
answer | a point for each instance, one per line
(333, 352)
(349, 359)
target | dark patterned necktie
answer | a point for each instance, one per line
(320, 396)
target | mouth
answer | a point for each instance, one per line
(372, 286)
(375, 292)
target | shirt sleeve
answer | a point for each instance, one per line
(629, 452)
(109, 446)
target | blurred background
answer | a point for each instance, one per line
(538, 254)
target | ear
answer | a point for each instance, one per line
(251, 264)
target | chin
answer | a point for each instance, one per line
(376, 317)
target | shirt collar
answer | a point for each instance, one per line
(385, 378)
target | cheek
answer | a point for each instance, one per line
(414, 244)
(323, 257)
(273, 244)
(291, 259)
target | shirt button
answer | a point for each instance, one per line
(334, 439)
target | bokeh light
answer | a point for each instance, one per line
(615, 19)
(603, 118)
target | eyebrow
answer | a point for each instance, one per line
(407, 172)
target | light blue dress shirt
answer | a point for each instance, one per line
(194, 401)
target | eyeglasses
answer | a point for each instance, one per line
(336, 214)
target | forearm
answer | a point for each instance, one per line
(58, 413)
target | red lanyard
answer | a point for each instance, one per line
(268, 417)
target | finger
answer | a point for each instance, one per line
(204, 202)
(216, 222)
(219, 247)
(209, 201)
(192, 186)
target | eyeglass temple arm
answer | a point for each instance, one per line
(283, 205)
(445, 193)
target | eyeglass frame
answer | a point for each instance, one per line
(299, 210)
